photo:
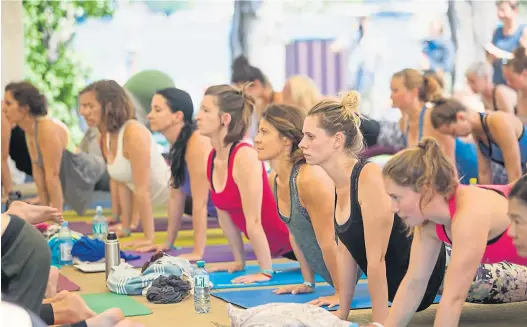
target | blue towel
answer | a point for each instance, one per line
(91, 250)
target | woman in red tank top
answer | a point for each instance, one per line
(425, 192)
(238, 181)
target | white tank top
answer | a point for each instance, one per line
(121, 170)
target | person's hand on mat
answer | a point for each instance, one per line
(119, 230)
(252, 278)
(193, 256)
(138, 244)
(228, 267)
(341, 314)
(330, 301)
(153, 248)
(294, 289)
(35, 214)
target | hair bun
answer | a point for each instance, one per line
(351, 102)
(240, 62)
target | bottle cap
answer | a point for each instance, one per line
(200, 264)
(111, 236)
(65, 224)
(473, 181)
(98, 209)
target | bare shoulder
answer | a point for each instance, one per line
(371, 175)
(312, 176)
(135, 129)
(246, 153)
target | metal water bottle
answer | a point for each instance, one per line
(112, 252)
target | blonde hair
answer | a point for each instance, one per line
(429, 85)
(342, 116)
(304, 92)
(425, 169)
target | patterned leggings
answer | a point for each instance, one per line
(501, 282)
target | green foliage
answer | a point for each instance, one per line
(51, 62)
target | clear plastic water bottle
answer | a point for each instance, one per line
(65, 244)
(201, 289)
(99, 224)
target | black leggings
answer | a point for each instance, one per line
(47, 315)
(290, 255)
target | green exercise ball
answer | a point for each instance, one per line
(145, 84)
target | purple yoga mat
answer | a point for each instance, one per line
(160, 224)
(65, 284)
(213, 253)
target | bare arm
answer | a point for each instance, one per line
(176, 207)
(470, 230)
(196, 157)
(378, 221)
(246, 163)
(484, 169)
(7, 181)
(51, 148)
(505, 137)
(506, 98)
(40, 181)
(234, 236)
(423, 258)
(137, 145)
(317, 194)
(347, 267)
(307, 272)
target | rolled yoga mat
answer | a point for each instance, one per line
(100, 302)
(252, 298)
(216, 253)
(160, 224)
(66, 284)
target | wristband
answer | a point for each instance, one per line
(378, 324)
(309, 284)
(267, 272)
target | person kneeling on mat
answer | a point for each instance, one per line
(238, 183)
(304, 195)
(425, 193)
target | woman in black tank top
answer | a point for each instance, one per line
(369, 235)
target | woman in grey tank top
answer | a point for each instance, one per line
(304, 195)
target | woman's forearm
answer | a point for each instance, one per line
(54, 188)
(407, 300)
(449, 312)
(7, 180)
(378, 287)
(199, 224)
(260, 245)
(41, 186)
(145, 213)
(329, 254)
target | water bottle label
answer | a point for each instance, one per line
(100, 229)
(65, 252)
(201, 281)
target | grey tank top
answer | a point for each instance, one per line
(301, 228)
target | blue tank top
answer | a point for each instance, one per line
(466, 154)
(211, 209)
(493, 151)
(507, 43)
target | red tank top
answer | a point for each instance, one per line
(229, 200)
(500, 248)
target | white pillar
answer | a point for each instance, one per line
(12, 30)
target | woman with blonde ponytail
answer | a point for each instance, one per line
(370, 236)
(485, 267)
(304, 196)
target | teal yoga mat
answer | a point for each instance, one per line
(252, 298)
(286, 274)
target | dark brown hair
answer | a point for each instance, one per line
(342, 116)
(429, 85)
(519, 62)
(288, 121)
(445, 112)
(116, 104)
(236, 103)
(425, 169)
(26, 94)
(243, 72)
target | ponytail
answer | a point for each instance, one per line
(177, 154)
(425, 169)
(431, 90)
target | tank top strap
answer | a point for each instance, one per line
(494, 101)
(39, 161)
(421, 122)
(120, 139)
(483, 118)
(232, 154)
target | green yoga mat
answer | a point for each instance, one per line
(100, 302)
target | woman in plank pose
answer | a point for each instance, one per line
(238, 183)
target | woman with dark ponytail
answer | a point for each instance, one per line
(171, 115)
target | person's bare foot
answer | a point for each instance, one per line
(53, 282)
(71, 309)
(108, 318)
(58, 297)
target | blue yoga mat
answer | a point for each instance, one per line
(252, 298)
(286, 274)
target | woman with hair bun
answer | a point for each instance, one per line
(238, 183)
(370, 236)
(304, 195)
(485, 267)
(62, 174)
